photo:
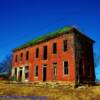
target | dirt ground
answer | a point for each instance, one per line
(46, 92)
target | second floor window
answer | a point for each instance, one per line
(64, 45)
(37, 52)
(21, 56)
(45, 53)
(54, 48)
(27, 55)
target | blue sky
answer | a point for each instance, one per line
(23, 20)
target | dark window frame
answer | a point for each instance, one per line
(27, 55)
(65, 67)
(45, 52)
(37, 53)
(65, 45)
(54, 48)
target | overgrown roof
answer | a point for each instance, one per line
(45, 37)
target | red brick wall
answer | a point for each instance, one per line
(59, 58)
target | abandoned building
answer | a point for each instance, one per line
(65, 56)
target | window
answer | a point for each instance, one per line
(36, 71)
(54, 48)
(65, 67)
(26, 72)
(44, 72)
(21, 56)
(15, 71)
(45, 53)
(54, 71)
(27, 55)
(16, 58)
(37, 52)
(64, 45)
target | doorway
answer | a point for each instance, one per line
(20, 74)
(44, 72)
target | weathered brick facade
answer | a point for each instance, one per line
(78, 56)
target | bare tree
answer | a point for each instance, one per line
(5, 66)
(97, 63)
(96, 60)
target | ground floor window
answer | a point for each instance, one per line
(54, 71)
(26, 72)
(65, 64)
(15, 71)
(36, 71)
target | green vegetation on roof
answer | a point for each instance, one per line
(45, 37)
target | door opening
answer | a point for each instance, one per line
(20, 75)
(44, 72)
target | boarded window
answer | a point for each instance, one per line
(54, 48)
(45, 53)
(64, 45)
(36, 71)
(37, 52)
(65, 67)
(21, 56)
(27, 55)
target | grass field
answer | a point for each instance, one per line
(51, 92)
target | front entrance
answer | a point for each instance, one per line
(44, 72)
(54, 71)
(20, 74)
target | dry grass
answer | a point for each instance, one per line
(52, 93)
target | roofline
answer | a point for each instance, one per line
(17, 49)
(73, 29)
(81, 33)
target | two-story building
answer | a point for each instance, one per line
(65, 55)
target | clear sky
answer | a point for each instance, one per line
(23, 20)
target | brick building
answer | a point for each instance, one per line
(62, 56)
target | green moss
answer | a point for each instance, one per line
(45, 37)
